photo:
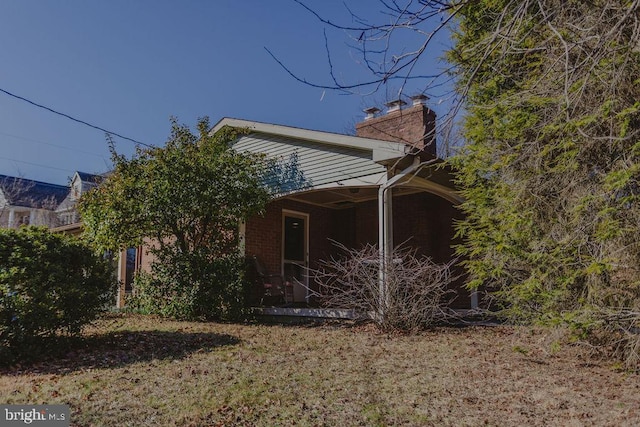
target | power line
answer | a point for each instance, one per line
(53, 145)
(36, 164)
(73, 118)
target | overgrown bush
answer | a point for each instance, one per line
(213, 292)
(49, 283)
(551, 166)
(416, 292)
(186, 200)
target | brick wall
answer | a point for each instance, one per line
(264, 233)
(424, 221)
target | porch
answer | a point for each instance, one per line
(300, 230)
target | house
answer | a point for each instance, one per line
(383, 186)
(28, 202)
(68, 218)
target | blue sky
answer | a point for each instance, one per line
(129, 65)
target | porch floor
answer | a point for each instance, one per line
(322, 313)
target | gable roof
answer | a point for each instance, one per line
(89, 177)
(336, 170)
(382, 151)
(33, 194)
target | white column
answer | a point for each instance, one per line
(122, 277)
(385, 242)
(242, 231)
(32, 217)
(12, 218)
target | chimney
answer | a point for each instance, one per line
(395, 105)
(371, 112)
(414, 125)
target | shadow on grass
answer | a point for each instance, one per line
(61, 355)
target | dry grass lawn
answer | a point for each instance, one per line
(141, 371)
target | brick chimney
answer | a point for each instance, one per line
(414, 126)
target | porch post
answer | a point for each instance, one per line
(385, 226)
(385, 243)
(122, 278)
(242, 231)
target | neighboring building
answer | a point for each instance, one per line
(69, 219)
(384, 186)
(28, 202)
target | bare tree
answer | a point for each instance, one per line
(396, 52)
(415, 295)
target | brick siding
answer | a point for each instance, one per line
(424, 221)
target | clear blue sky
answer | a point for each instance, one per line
(128, 65)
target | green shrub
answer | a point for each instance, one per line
(192, 287)
(49, 283)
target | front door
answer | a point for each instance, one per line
(295, 251)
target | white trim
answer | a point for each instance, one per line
(440, 190)
(363, 181)
(305, 216)
(12, 218)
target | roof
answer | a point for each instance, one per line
(89, 177)
(335, 170)
(383, 151)
(33, 194)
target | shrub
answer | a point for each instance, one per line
(417, 290)
(49, 283)
(214, 291)
(188, 199)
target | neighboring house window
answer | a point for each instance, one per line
(24, 220)
(68, 218)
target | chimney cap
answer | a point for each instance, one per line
(371, 112)
(419, 99)
(395, 105)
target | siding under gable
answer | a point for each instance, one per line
(318, 164)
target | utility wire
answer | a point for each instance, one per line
(64, 147)
(73, 118)
(36, 164)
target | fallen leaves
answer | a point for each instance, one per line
(135, 370)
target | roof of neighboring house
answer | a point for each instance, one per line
(33, 194)
(89, 177)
